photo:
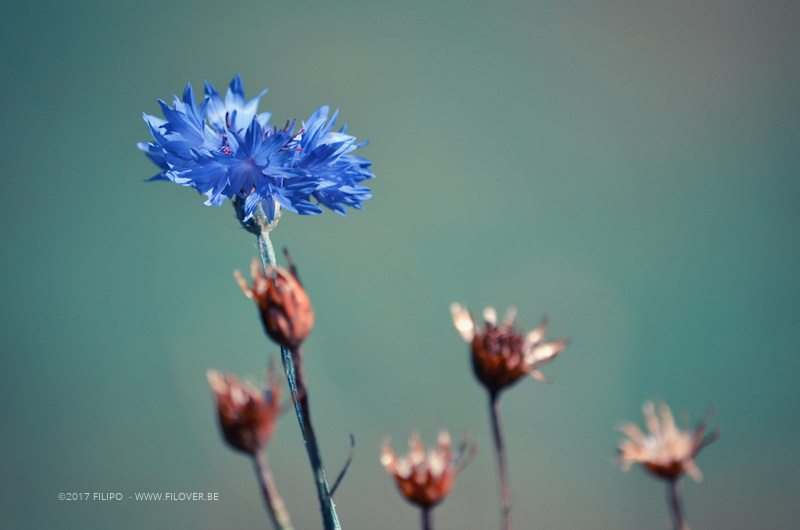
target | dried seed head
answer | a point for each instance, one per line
(246, 414)
(500, 354)
(425, 477)
(285, 308)
(667, 451)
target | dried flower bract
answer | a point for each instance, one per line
(247, 415)
(425, 477)
(285, 308)
(667, 451)
(500, 354)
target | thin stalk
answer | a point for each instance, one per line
(427, 518)
(299, 390)
(275, 506)
(293, 366)
(675, 505)
(266, 250)
(502, 468)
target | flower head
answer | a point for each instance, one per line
(246, 414)
(285, 308)
(501, 355)
(667, 451)
(425, 477)
(226, 150)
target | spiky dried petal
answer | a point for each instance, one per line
(667, 451)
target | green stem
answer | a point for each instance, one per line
(293, 366)
(266, 250)
(502, 468)
(275, 506)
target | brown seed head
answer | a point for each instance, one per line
(425, 478)
(285, 308)
(246, 414)
(501, 355)
(667, 451)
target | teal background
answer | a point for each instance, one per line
(628, 168)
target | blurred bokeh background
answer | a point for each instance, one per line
(629, 169)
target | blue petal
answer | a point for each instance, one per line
(235, 96)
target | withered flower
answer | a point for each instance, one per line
(285, 308)
(667, 451)
(425, 477)
(247, 415)
(501, 355)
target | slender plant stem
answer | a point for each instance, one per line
(293, 366)
(675, 504)
(266, 250)
(294, 371)
(427, 518)
(502, 469)
(275, 506)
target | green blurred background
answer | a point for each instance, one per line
(628, 168)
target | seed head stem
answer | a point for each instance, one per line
(502, 468)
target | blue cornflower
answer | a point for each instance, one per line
(226, 150)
